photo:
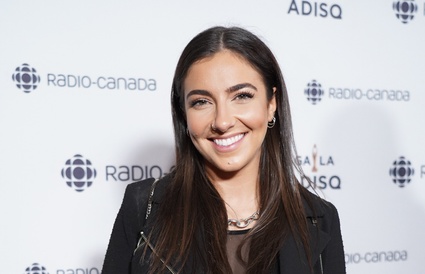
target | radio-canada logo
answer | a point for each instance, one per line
(26, 78)
(402, 171)
(36, 268)
(405, 10)
(314, 92)
(79, 173)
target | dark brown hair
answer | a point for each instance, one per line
(193, 220)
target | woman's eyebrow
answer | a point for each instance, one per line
(228, 90)
(240, 86)
(198, 92)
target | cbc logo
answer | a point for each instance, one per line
(314, 92)
(26, 78)
(36, 268)
(78, 173)
(405, 10)
(402, 171)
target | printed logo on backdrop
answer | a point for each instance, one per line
(36, 268)
(405, 10)
(124, 173)
(78, 173)
(402, 171)
(315, 9)
(386, 256)
(315, 92)
(319, 168)
(26, 78)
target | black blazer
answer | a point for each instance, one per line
(122, 257)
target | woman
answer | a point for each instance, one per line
(232, 204)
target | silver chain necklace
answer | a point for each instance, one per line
(242, 223)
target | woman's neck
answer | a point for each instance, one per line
(240, 193)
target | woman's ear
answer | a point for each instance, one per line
(272, 105)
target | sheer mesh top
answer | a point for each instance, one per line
(234, 238)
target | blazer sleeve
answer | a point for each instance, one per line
(126, 229)
(333, 255)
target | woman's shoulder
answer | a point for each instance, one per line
(136, 197)
(141, 189)
(316, 206)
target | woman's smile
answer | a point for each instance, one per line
(226, 142)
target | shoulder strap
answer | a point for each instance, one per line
(149, 207)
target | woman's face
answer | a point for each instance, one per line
(227, 113)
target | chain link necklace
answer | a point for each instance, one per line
(242, 223)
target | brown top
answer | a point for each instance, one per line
(234, 238)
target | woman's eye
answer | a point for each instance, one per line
(244, 96)
(198, 102)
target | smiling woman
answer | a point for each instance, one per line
(232, 204)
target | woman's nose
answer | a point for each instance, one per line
(223, 120)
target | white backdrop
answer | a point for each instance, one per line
(100, 109)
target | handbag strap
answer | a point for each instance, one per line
(151, 192)
(148, 212)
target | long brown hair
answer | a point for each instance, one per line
(193, 219)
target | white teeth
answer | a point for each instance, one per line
(228, 141)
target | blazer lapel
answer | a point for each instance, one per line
(292, 257)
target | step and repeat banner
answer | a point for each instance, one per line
(85, 110)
